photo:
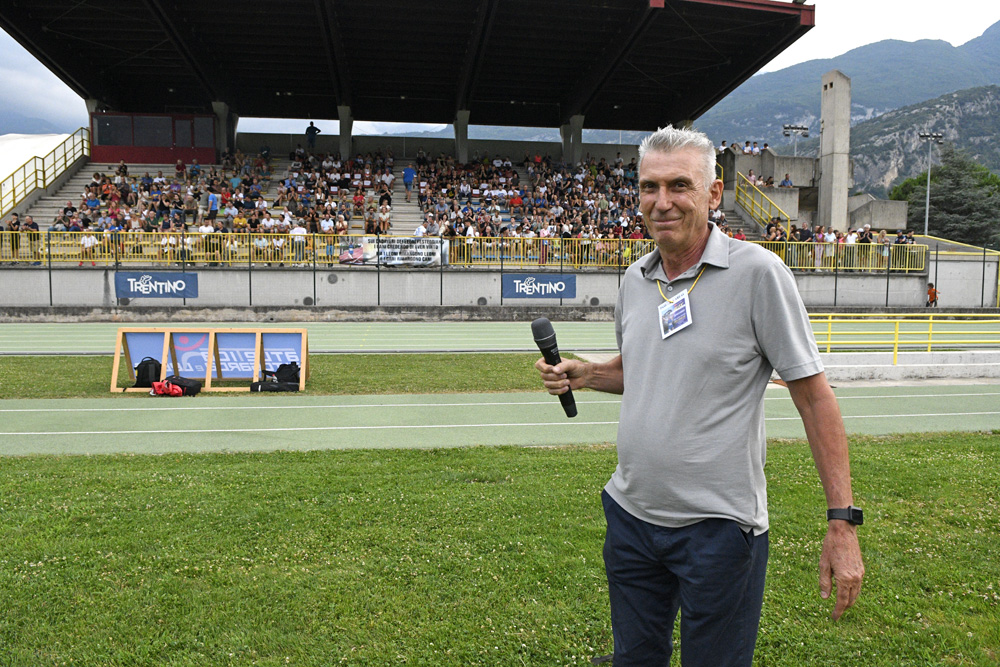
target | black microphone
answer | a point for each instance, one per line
(545, 339)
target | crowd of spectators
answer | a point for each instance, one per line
(595, 200)
(858, 249)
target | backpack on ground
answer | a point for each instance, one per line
(147, 372)
(188, 386)
(285, 373)
(274, 386)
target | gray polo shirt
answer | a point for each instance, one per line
(691, 442)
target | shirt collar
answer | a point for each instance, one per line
(716, 253)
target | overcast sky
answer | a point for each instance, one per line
(841, 25)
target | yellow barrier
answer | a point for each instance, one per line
(760, 207)
(41, 172)
(917, 332)
(809, 256)
(151, 248)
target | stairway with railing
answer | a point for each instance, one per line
(42, 172)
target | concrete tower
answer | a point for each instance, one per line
(834, 150)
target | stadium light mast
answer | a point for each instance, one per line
(795, 130)
(931, 138)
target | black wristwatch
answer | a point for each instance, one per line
(850, 514)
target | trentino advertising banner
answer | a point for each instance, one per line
(156, 285)
(539, 286)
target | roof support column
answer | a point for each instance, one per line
(346, 123)
(462, 136)
(225, 127)
(572, 140)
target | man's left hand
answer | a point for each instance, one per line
(841, 562)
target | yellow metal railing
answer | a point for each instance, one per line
(806, 256)
(760, 207)
(974, 250)
(152, 248)
(907, 333)
(41, 172)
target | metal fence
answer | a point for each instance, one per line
(240, 249)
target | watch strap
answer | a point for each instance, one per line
(852, 515)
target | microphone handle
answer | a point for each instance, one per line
(552, 358)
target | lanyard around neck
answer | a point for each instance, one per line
(690, 289)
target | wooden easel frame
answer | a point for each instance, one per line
(169, 353)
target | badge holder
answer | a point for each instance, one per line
(675, 314)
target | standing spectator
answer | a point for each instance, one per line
(14, 236)
(311, 133)
(408, 175)
(298, 235)
(30, 229)
(785, 182)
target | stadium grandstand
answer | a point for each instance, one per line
(161, 179)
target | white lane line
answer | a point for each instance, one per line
(439, 426)
(310, 428)
(905, 416)
(164, 408)
(305, 407)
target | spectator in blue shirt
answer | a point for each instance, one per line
(408, 175)
(786, 183)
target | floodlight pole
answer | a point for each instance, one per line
(931, 138)
(795, 131)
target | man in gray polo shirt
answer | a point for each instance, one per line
(701, 323)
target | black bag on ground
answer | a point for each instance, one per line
(274, 386)
(191, 387)
(147, 372)
(285, 373)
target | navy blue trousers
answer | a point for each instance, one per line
(711, 570)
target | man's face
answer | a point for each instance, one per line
(673, 199)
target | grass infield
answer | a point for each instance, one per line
(46, 377)
(477, 556)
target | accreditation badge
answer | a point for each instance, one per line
(675, 314)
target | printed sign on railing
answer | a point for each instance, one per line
(156, 285)
(539, 286)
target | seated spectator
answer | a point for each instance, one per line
(384, 219)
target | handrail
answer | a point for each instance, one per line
(753, 206)
(978, 248)
(910, 332)
(138, 248)
(41, 172)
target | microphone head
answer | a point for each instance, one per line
(542, 329)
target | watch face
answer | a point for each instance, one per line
(857, 516)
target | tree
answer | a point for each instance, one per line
(965, 199)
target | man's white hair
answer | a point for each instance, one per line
(668, 139)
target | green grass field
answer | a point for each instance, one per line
(481, 556)
(470, 556)
(46, 377)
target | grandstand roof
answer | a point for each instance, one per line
(624, 64)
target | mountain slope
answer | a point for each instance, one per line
(884, 76)
(888, 149)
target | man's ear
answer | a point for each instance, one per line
(715, 193)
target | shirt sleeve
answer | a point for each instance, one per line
(781, 325)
